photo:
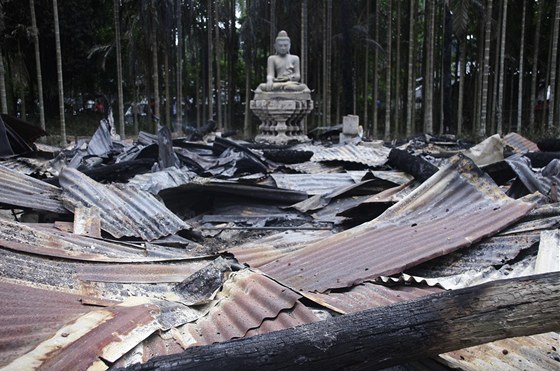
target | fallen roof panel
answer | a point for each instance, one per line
(125, 211)
(457, 206)
(520, 144)
(370, 156)
(31, 315)
(245, 302)
(369, 295)
(24, 191)
(316, 184)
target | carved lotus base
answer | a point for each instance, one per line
(281, 119)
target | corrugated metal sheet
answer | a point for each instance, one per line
(125, 211)
(369, 295)
(537, 352)
(314, 168)
(103, 334)
(25, 165)
(51, 242)
(168, 178)
(370, 156)
(30, 315)
(270, 248)
(454, 208)
(519, 143)
(548, 258)
(24, 191)
(245, 302)
(317, 184)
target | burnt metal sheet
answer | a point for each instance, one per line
(245, 302)
(270, 248)
(20, 190)
(369, 295)
(546, 182)
(101, 142)
(103, 334)
(314, 168)
(168, 178)
(124, 211)
(548, 258)
(31, 315)
(316, 184)
(26, 165)
(39, 240)
(370, 156)
(519, 143)
(536, 352)
(487, 152)
(457, 206)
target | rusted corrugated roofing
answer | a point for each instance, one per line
(537, 352)
(51, 242)
(370, 156)
(30, 315)
(124, 211)
(24, 191)
(454, 208)
(369, 295)
(520, 144)
(102, 334)
(247, 301)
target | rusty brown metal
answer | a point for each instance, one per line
(520, 144)
(369, 295)
(246, 301)
(454, 208)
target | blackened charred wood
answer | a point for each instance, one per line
(390, 335)
(413, 165)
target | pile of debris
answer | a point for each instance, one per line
(118, 254)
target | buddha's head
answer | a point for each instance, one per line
(282, 44)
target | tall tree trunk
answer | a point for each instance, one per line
(120, 94)
(347, 58)
(218, 57)
(485, 70)
(155, 65)
(397, 103)
(447, 121)
(521, 70)
(232, 55)
(534, 70)
(166, 81)
(427, 83)
(3, 95)
(209, 29)
(327, 63)
(462, 82)
(388, 63)
(179, 101)
(411, 79)
(35, 32)
(495, 78)
(375, 108)
(59, 73)
(366, 70)
(553, 65)
(272, 25)
(479, 77)
(500, 98)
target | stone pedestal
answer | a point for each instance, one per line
(281, 114)
(351, 130)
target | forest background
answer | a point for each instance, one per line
(465, 67)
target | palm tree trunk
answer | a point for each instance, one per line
(375, 111)
(59, 73)
(119, 67)
(218, 57)
(495, 78)
(327, 60)
(411, 79)
(387, 134)
(366, 69)
(534, 70)
(3, 96)
(210, 58)
(500, 99)
(155, 65)
(447, 124)
(35, 33)
(427, 84)
(166, 82)
(272, 25)
(462, 82)
(521, 70)
(397, 103)
(553, 65)
(304, 50)
(179, 101)
(486, 70)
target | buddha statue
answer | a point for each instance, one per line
(282, 73)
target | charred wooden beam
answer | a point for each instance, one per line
(390, 335)
(414, 165)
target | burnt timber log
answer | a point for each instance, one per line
(414, 165)
(387, 336)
